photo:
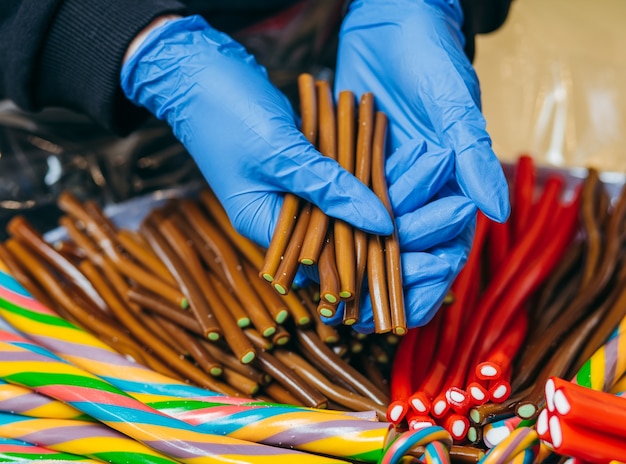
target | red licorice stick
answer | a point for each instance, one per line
(459, 400)
(500, 391)
(457, 425)
(465, 290)
(523, 193)
(478, 393)
(418, 421)
(506, 348)
(440, 406)
(572, 439)
(499, 244)
(426, 348)
(401, 385)
(534, 273)
(590, 408)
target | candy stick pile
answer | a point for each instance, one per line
(81, 382)
(537, 297)
(304, 235)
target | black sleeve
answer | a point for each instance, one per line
(68, 53)
(481, 17)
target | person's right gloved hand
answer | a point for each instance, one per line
(435, 223)
(240, 130)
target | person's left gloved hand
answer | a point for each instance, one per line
(409, 54)
(435, 224)
(240, 129)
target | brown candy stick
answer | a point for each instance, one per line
(330, 284)
(244, 245)
(291, 203)
(144, 255)
(164, 356)
(279, 394)
(231, 266)
(392, 245)
(232, 303)
(327, 145)
(231, 331)
(198, 305)
(19, 228)
(377, 280)
(338, 394)
(318, 353)
(343, 235)
(51, 285)
(591, 226)
(194, 348)
(24, 277)
(289, 265)
(298, 311)
(240, 382)
(224, 357)
(164, 308)
(273, 302)
(362, 171)
(282, 374)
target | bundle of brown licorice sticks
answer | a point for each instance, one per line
(304, 235)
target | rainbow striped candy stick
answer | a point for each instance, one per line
(436, 440)
(520, 440)
(24, 401)
(352, 438)
(495, 432)
(79, 438)
(607, 365)
(121, 412)
(20, 451)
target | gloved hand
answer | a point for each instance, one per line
(240, 130)
(435, 224)
(409, 53)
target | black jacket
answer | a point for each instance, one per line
(68, 53)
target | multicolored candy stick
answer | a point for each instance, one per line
(118, 410)
(19, 451)
(607, 365)
(80, 438)
(495, 432)
(519, 440)
(21, 400)
(252, 421)
(422, 437)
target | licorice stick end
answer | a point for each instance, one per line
(420, 403)
(440, 406)
(478, 394)
(500, 391)
(281, 316)
(267, 276)
(268, 332)
(307, 261)
(457, 425)
(213, 336)
(488, 371)
(281, 289)
(247, 357)
(419, 422)
(526, 410)
(396, 411)
(243, 322)
(216, 371)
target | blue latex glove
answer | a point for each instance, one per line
(240, 130)
(409, 53)
(435, 224)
